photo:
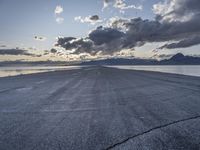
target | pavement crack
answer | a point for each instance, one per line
(150, 130)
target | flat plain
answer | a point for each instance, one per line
(96, 108)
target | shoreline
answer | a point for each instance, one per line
(122, 67)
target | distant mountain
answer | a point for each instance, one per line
(120, 61)
(178, 59)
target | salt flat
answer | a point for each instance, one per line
(100, 108)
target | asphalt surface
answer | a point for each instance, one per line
(100, 108)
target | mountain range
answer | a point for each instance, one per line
(178, 59)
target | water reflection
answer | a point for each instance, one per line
(192, 70)
(13, 71)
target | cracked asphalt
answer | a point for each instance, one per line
(96, 108)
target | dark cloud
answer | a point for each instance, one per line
(99, 40)
(154, 31)
(77, 45)
(105, 35)
(94, 17)
(39, 38)
(64, 40)
(180, 24)
(3, 46)
(139, 30)
(183, 43)
(16, 52)
(53, 50)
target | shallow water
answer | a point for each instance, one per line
(13, 71)
(191, 70)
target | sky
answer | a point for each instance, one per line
(69, 30)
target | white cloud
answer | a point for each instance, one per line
(176, 10)
(106, 3)
(90, 19)
(121, 5)
(58, 10)
(59, 20)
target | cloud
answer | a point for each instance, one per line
(177, 10)
(59, 20)
(39, 38)
(183, 16)
(15, 52)
(139, 30)
(76, 45)
(106, 3)
(162, 56)
(58, 10)
(101, 40)
(53, 50)
(123, 34)
(3, 46)
(64, 40)
(32, 48)
(120, 4)
(183, 43)
(103, 35)
(94, 17)
(90, 19)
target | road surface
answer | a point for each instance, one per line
(96, 108)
